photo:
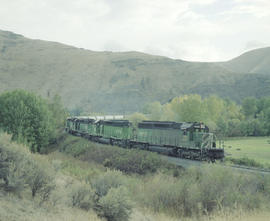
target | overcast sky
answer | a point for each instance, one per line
(197, 30)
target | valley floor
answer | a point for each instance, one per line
(256, 148)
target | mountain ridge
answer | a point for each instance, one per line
(254, 61)
(115, 82)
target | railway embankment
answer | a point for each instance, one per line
(91, 190)
(178, 192)
(139, 161)
(185, 163)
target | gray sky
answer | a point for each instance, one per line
(197, 30)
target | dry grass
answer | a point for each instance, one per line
(70, 166)
(13, 208)
(23, 207)
(144, 215)
(70, 171)
(238, 216)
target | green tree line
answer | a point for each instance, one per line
(224, 116)
(31, 119)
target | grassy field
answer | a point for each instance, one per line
(257, 148)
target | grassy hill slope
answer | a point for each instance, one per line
(255, 61)
(76, 185)
(113, 82)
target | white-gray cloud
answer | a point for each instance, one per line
(185, 29)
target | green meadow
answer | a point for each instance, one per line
(255, 148)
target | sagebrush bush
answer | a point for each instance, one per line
(13, 165)
(112, 199)
(125, 160)
(19, 169)
(137, 161)
(103, 183)
(40, 179)
(74, 146)
(165, 193)
(204, 190)
(13, 177)
(82, 196)
(115, 205)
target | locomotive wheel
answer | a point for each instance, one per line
(146, 147)
(111, 142)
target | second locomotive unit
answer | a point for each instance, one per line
(183, 140)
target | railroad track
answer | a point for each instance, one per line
(185, 163)
(191, 163)
(249, 169)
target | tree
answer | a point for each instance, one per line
(249, 107)
(265, 119)
(27, 117)
(263, 104)
(167, 113)
(214, 107)
(153, 110)
(191, 109)
(58, 111)
(59, 115)
(135, 118)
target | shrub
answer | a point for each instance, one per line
(82, 196)
(126, 160)
(165, 193)
(136, 161)
(13, 166)
(13, 178)
(74, 146)
(19, 170)
(112, 200)
(103, 183)
(115, 205)
(40, 179)
(204, 190)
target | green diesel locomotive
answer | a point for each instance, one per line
(183, 140)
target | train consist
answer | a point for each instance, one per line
(183, 140)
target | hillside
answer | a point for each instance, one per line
(120, 82)
(255, 61)
(69, 187)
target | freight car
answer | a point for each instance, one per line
(183, 140)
